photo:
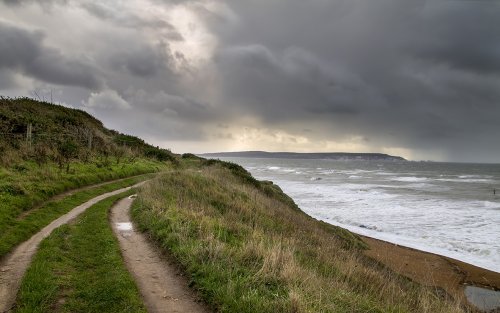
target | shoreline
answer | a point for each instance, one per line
(431, 269)
(364, 232)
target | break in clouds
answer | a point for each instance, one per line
(414, 78)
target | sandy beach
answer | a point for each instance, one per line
(431, 269)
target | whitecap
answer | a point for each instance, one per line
(409, 179)
(465, 180)
(491, 205)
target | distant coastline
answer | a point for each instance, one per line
(312, 156)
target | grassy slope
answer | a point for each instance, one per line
(248, 249)
(79, 268)
(26, 185)
(55, 125)
(15, 230)
(59, 159)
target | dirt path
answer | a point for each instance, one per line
(160, 284)
(14, 264)
(71, 192)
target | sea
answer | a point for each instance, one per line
(448, 209)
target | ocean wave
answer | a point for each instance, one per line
(440, 210)
(385, 173)
(474, 176)
(491, 204)
(409, 179)
(466, 180)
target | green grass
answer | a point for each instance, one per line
(79, 268)
(63, 135)
(247, 248)
(15, 230)
(26, 184)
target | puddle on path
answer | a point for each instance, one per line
(124, 226)
(484, 299)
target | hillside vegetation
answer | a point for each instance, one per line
(62, 135)
(245, 245)
(66, 149)
(248, 248)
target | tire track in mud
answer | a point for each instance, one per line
(14, 265)
(163, 289)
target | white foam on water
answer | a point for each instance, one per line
(491, 205)
(385, 173)
(355, 172)
(421, 210)
(466, 180)
(409, 179)
(328, 172)
(474, 176)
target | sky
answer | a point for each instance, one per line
(414, 78)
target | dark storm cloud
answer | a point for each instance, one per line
(417, 75)
(24, 50)
(294, 83)
(463, 35)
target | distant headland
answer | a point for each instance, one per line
(295, 155)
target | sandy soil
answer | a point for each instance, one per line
(161, 284)
(431, 269)
(14, 265)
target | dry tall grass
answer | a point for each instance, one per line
(249, 251)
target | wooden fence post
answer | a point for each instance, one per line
(29, 130)
(89, 140)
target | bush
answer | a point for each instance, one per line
(191, 156)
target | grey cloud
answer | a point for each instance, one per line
(24, 50)
(413, 74)
(53, 67)
(419, 75)
(167, 116)
(46, 5)
(109, 11)
(22, 2)
(6, 79)
(144, 62)
(460, 34)
(171, 106)
(284, 86)
(18, 46)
